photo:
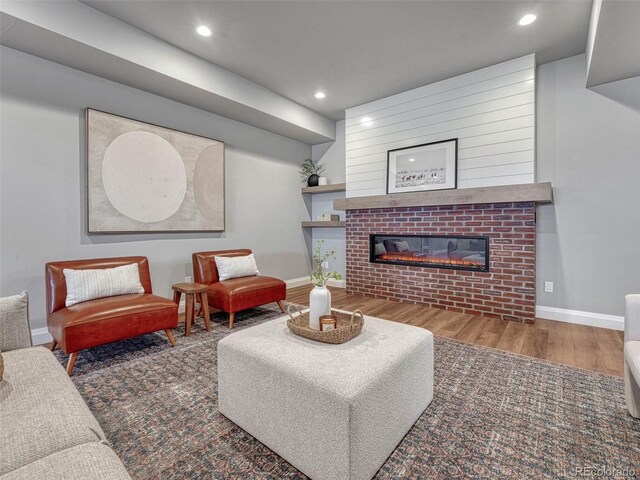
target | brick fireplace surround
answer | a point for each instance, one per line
(506, 291)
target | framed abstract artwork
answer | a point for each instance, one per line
(146, 178)
(431, 166)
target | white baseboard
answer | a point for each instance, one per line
(297, 282)
(582, 318)
(337, 283)
(40, 336)
(301, 281)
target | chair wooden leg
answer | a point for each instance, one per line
(281, 306)
(204, 306)
(72, 361)
(188, 314)
(231, 315)
(54, 344)
(172, 340)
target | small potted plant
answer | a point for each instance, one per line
(320, 296)
(310, 172)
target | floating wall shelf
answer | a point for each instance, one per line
(323, 224)
(336, 187)
(530, 192)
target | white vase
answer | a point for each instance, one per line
(319, 304)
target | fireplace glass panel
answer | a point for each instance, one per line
(437, 251)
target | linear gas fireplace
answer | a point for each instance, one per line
(436, 251)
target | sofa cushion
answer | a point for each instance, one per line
(237, 286)
(14, 322)
(41, 412)
(110, 319)
(95, 461)
(246, 292)
(89, 284)
(632, 357)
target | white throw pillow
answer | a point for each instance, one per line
(380, 250)
(235, 267)
(84, 285)
(402, 246)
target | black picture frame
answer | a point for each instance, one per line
(436, 174)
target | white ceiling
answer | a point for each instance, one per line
(358, 51)
(77, 36)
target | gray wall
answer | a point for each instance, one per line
(588, 146)
(331, 154)
(42, 182)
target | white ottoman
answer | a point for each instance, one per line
(332, 411)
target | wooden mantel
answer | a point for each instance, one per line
(528, 192)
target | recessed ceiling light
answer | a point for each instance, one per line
(204, 31)
(320, 95)
(528, 19)
(412, 159)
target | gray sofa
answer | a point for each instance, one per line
(632, 354)
(46, 429)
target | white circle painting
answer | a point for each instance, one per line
(144, 176)
(205, 185)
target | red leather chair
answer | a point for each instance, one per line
(104, 320)
(235, 294)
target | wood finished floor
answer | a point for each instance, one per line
(591, 348)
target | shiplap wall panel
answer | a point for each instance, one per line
(510, 158)
(474, 115)
(489, 138)
(491, 112)
(440, 130)
(359, 157)
(502, 180)
(465, 106)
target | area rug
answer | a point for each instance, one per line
(494, 415)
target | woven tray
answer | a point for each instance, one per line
(349, 325)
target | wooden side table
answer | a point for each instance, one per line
(192, 290)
